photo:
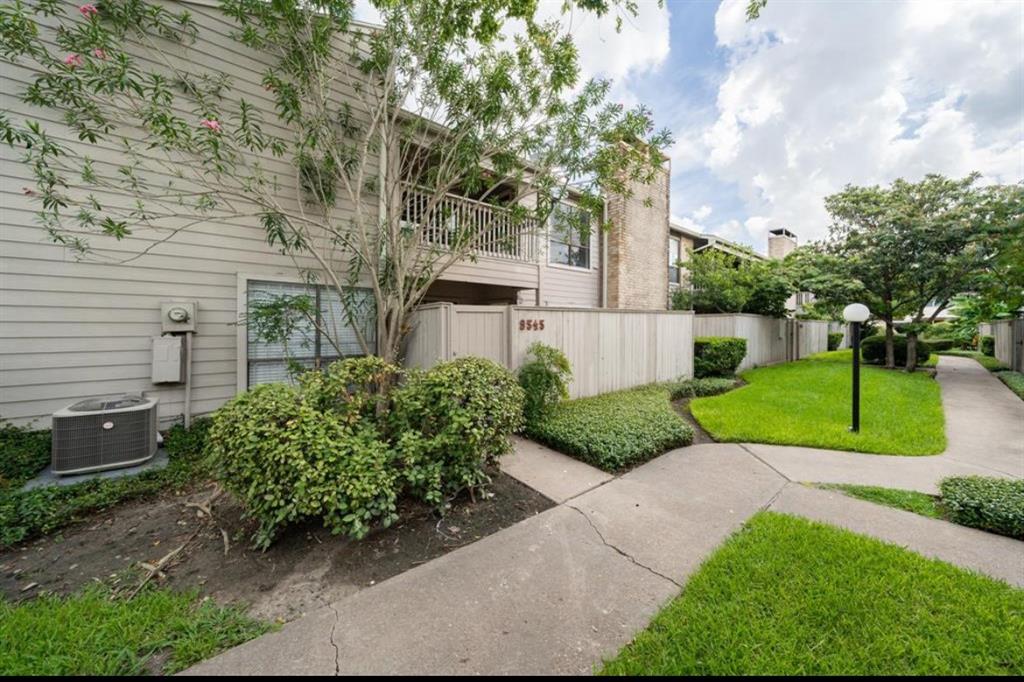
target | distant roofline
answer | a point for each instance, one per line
(712, 241)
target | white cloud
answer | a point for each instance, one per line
(819, 95)
(702, 212)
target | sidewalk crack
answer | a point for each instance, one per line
(755, 456)
(337, 651)
(628, 557)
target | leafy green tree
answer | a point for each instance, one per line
(348, 174)
(718, 282)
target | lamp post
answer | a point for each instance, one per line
(856, 314)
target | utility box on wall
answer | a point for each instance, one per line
(168, 360)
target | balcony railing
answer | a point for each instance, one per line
(450, 221)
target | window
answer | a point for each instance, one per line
(569, 242)
(673, 258)
(309, 345)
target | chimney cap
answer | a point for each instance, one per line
(782, 232)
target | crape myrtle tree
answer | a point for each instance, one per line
(900, 248)
(478, 97)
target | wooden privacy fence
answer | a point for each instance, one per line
(609, 349)
(1009, 342)
(769, 340)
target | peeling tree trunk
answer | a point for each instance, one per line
(911, 351)
(890, 351)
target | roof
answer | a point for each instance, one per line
(703, 241)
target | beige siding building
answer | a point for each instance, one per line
(73, 328)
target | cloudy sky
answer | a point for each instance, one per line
(771, 116)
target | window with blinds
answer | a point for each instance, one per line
(309, 345)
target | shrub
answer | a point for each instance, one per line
(872, 350)
(354, 389)
(1013, 380)
(699, 388)
(614, 430)
(452, 420)
(544, 378)
(287, 461)
(942, 344)
(190, 442)
(717, 355)
(23, 454)
(992, 504)
(835, 339)
(987, 345)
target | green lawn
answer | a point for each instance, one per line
(1014, 381)
(808, 403)
(617, 430)
(92, 634)
(786, 596)
(907, 500)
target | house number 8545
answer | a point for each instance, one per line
(531, 325)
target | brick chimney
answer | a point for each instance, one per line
(780, 243)
(637, 276)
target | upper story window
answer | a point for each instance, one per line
(673, 260)
(569, 240)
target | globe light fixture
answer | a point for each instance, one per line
(856, 314)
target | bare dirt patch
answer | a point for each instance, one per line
(306, 568)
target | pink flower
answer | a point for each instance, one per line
(211, 124)
(73, 61)
(88, 10)
(99, 53)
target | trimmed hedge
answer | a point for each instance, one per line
(942, 344)
(614, 431)
(717, 355)
(988, 345)
(872, 350)
(992, 504)
(700, 388)
(835, 339)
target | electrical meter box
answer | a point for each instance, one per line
(178, 316)
(168, 360)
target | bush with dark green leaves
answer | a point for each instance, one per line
(835, 339)
(614, 431)
(717, 355)
(992, 504)
(451, 421)
(180, 442)
(987, 345)
(287, 461)
(544, 378)
(23, 454)
(702, 387)
(872, 350)
(942, 344)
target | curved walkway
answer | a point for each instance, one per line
(984, 432)
(563, 590)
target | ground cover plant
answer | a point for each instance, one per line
(24, 452)
(97, 633)
(1013, 380)
(787, 596)
(808, 403)
(992, 504)
(614, 431)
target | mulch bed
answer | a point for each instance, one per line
(305, 568)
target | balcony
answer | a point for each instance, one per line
(494, 231)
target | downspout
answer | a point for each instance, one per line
(604, 255)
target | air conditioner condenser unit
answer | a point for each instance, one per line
(104, 433)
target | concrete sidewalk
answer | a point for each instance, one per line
(562, 591)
